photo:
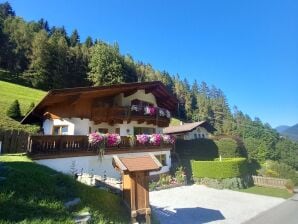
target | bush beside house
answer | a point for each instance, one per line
(227, 168)
(231, 173)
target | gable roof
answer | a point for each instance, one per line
(138, 163)
(188, 127)
(164, 98)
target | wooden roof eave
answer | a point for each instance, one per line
(75, 94)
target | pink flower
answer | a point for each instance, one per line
(148, 110)
(95, 138)
(169, 139)
(113, 139)
(142, 139)
(155, 139)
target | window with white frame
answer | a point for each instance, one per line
(162, 159)
(60, 130)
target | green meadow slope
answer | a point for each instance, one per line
(32, 193)
(25, 95)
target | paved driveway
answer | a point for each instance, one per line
(199, 204)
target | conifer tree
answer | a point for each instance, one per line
(14, 110)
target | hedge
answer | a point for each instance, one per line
(227, 168)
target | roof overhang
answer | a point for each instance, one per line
(180, 129)
(164, 98)
(146, 162)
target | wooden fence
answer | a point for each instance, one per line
(13, 141)
(269, 182)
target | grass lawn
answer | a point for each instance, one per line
(268, 191)
(25, 96)
(32, 193)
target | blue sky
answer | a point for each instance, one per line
(249, 49)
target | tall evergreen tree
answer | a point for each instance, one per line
(88, 42)
(43, 24)
(6, 10)
(40, 71)
(106, 65)
(74, 39)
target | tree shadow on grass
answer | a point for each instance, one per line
(195, 215)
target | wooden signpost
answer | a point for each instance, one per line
(135, 187)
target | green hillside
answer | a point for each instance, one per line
(10, 92)
(32, 193)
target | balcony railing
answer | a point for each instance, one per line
(154, 115)
(70, 144)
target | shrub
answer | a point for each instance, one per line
(278, 169)
(180, 175)
(227, 183)
(14, 110)
(290, 185)
(227, 147)
(227, 168)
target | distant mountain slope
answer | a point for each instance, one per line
(291, 132)
(282, 128)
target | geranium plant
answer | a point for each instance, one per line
(149, 110)
(168, 114)
(161, 112)
(98, 139)
(155, 139)
(134, 108)
(169, 139)
(142, 139)
(113, 139)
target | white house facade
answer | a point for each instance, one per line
(190, 131)
(68, 116)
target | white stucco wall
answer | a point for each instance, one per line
(76, 126)
(95, 127)
(124, 127)
(140, 95)
(92, 164)
(199, 131)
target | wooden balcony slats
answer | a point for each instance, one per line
(50, 146)
(114, 115)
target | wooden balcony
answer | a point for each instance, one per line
(58, 146)
(114, 115)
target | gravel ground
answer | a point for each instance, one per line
(199, 204)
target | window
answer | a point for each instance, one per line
(60, 130)
(143, 130)
(117, 131)
(196, 136)
(103, 130)
(199, 135)
(162, 159)
(203, 136)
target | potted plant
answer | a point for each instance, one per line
(98, 140)
(142, 139)
(155, 139)
(132, 140)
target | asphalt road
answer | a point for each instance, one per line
(285, 213)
